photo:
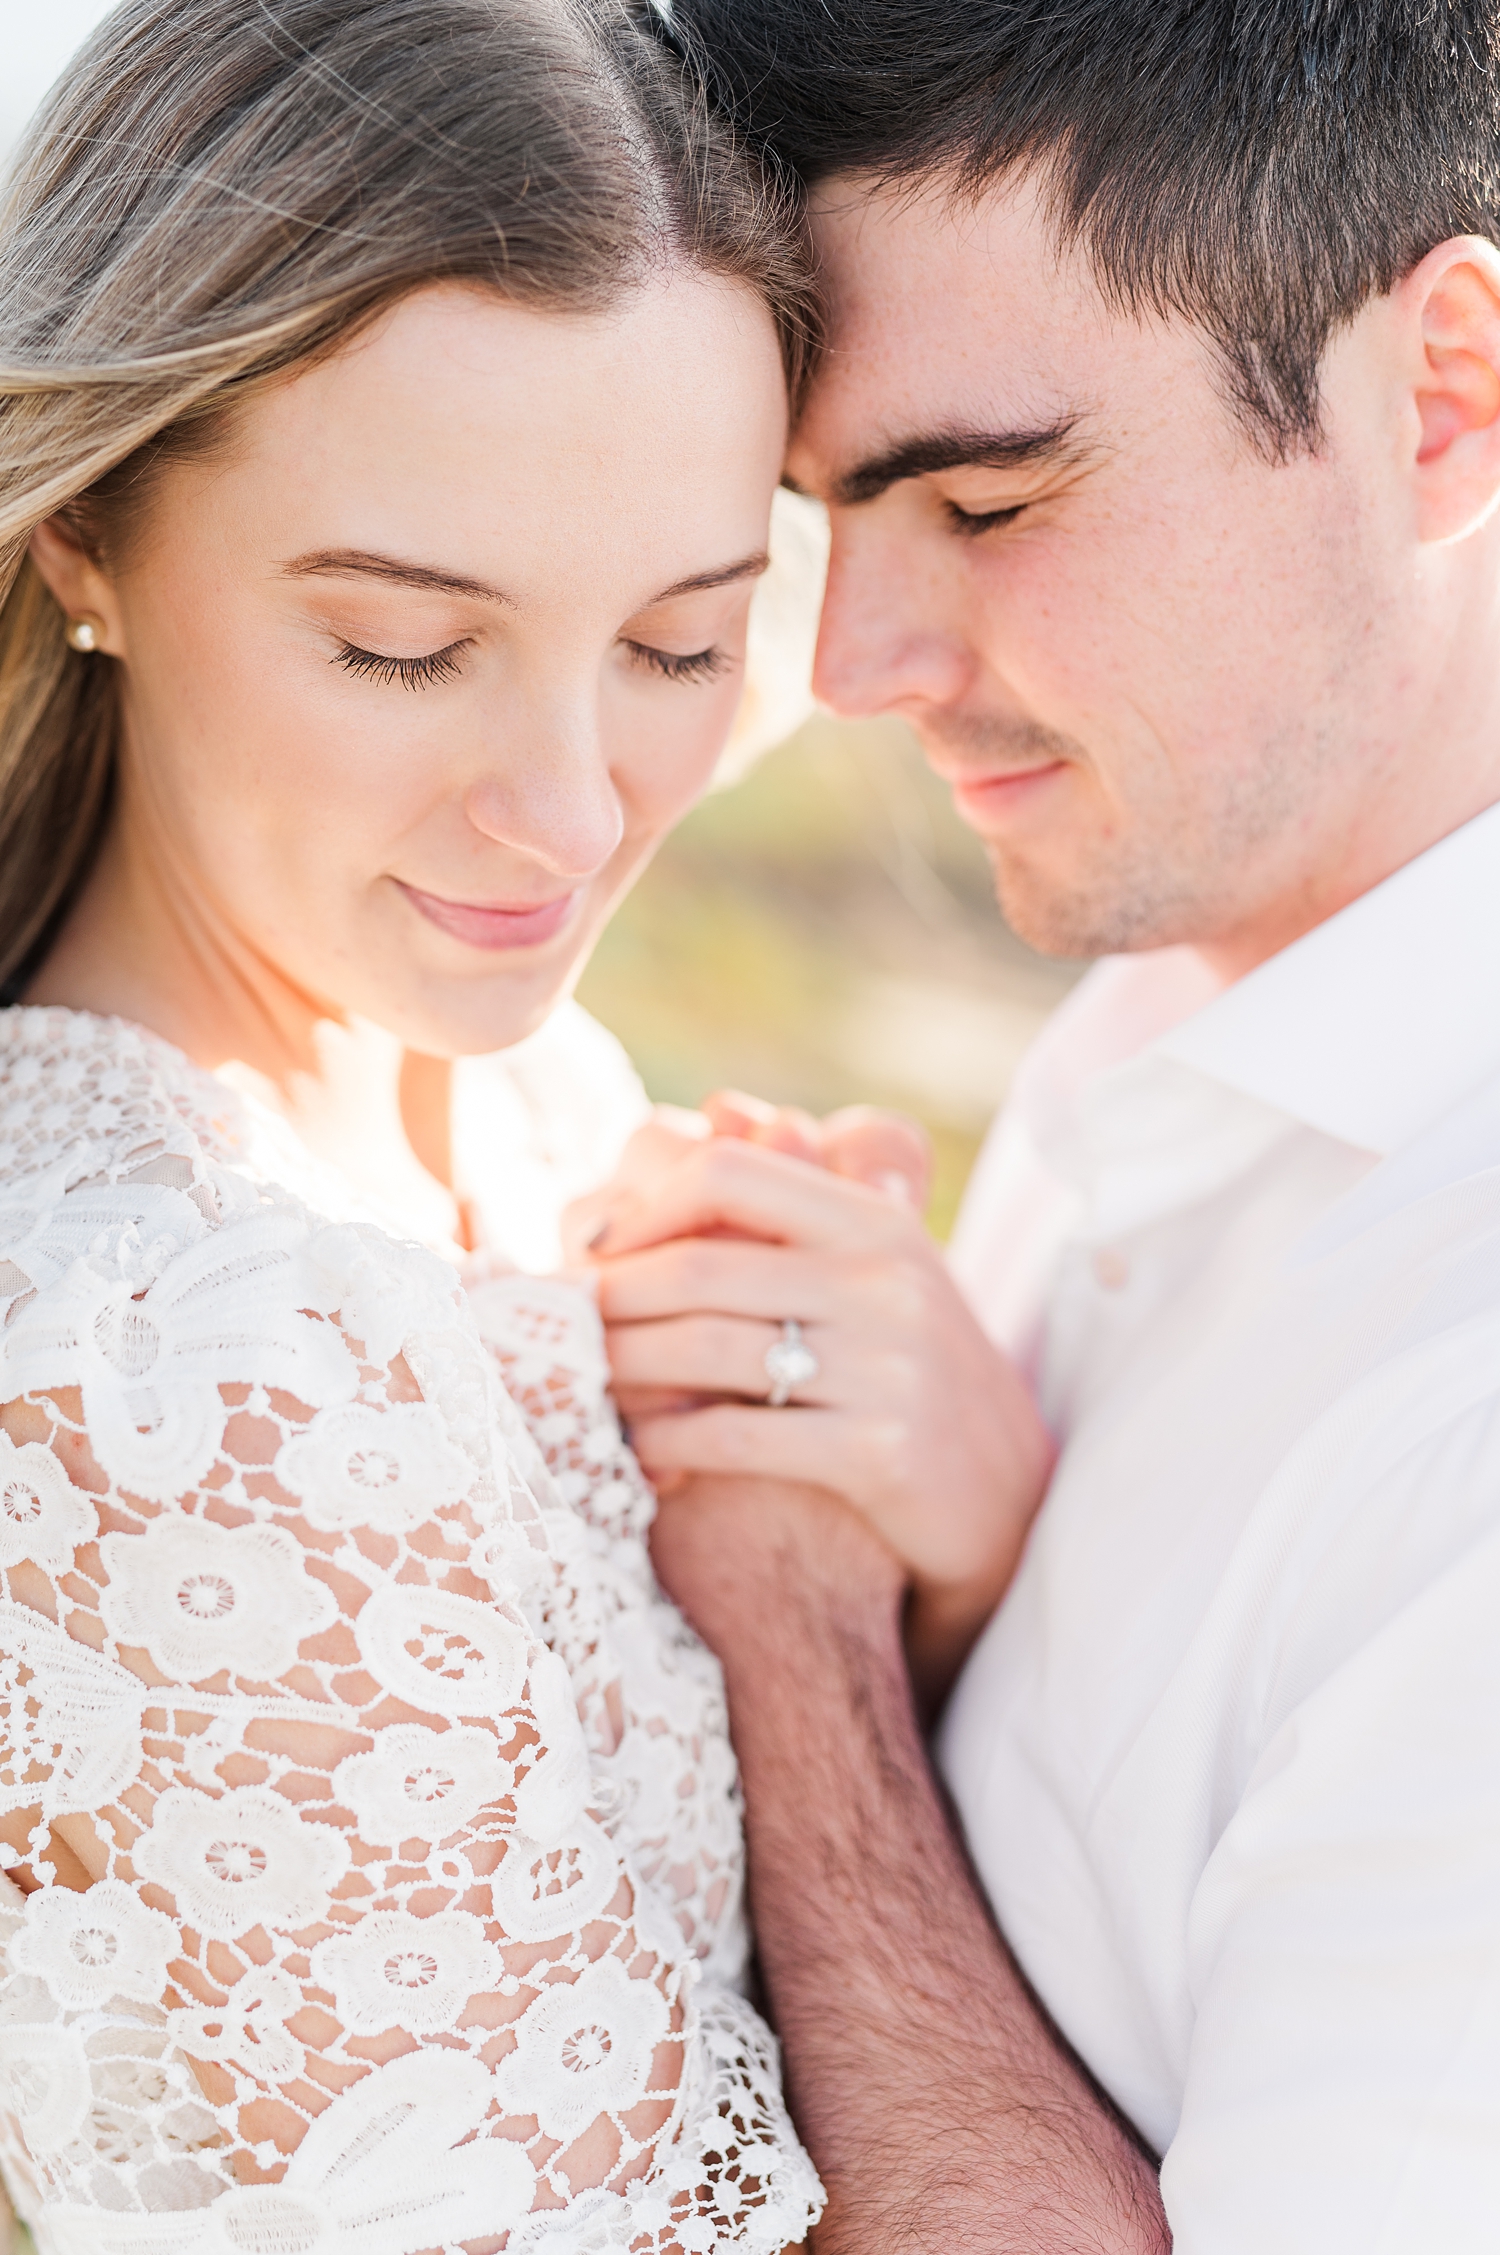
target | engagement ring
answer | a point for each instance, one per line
(790, 1362)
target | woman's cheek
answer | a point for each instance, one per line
(666, 771)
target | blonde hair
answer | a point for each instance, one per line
(221, 190)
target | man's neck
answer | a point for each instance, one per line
(1368, 862)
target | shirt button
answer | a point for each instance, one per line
(1111, 1269)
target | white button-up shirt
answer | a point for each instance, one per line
(1228, 1757)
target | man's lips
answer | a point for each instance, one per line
(495, 927)
(982, 800)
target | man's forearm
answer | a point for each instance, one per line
(932, 2093)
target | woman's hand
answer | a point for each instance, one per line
(890, 1153)
(914, 1417)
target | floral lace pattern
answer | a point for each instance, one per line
(329, 1641)
(655, 1718)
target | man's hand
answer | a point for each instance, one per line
(727, 1548)
(914, 1417)
(941, 2108)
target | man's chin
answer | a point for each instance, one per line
(1078, 917)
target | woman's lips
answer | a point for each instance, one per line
(493, 927)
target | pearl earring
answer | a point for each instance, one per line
(85, 632)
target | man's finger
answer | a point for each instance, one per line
(774, 1127)
(884, 1149)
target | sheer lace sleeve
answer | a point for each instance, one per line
(369, 1962)
(651, 1695)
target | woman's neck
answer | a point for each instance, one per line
(379, 1114)
(141, 947)
(144, 941)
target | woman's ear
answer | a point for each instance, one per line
(80, 586)
(1452, 305)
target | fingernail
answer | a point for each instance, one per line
(897, 1187)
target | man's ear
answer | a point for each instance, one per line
(80, 585)
(1453, 311)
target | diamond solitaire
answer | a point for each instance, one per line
(790, 1362)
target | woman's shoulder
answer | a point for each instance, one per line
(150, 1260)
(121, 1157)
(105, 1100)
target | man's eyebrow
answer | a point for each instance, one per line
(363, 563)
(955, 450)
(721, 575)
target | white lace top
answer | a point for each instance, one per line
(323, 1592)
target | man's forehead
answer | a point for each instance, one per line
(947, 315)
(917, 254)
(942, 321)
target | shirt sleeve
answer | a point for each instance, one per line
(269, 1579)
(1343, 2085)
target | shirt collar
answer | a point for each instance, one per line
(1377, 1022)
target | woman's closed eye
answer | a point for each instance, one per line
(697, 665)
(411, 673)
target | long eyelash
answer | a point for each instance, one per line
(964, 521)
(701, 665)
(412, 673)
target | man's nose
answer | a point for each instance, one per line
(558, 806)
(888, 639)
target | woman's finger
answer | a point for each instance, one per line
(656, 1147)
(820, 1446)
(709, 1354)
(654, 1401)
(732, 1185)
(721, 1276)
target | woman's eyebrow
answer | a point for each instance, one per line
(722, 575)
(364, 563)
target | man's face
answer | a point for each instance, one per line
(1160, 671)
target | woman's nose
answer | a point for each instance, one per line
(888, 640)
(560, 808)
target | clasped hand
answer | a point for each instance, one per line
(720, 1226)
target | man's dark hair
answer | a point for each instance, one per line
(1258, 167)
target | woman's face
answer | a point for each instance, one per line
(419, 669)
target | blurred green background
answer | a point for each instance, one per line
(825, 933)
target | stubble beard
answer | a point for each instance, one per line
(1127, 901)
(1176, 870)
(1176, 852)
(1127, 892)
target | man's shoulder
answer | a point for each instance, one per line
(1234, 1521)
